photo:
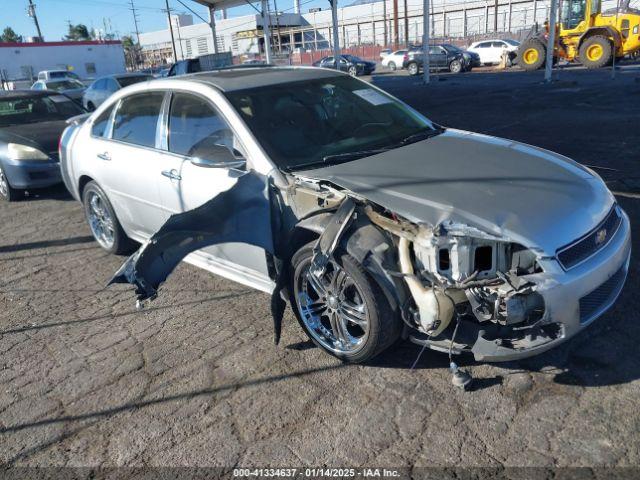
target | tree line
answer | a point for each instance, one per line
(77, 32)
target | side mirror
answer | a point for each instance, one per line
(224, 158)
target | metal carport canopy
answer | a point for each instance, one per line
(223, 4)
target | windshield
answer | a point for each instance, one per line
(453, 49)
(328, 120)
(512, 42)
(126, 81)
(69, 84)
(352, 58)
(63, 74)
(18, 111)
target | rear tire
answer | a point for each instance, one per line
(413, 68)
(596, 52)
(7, 192)
(392, 66)
(353, 71)
(532, 54)
(102, 220)
(381, 325)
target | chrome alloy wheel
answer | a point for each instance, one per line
(4, 185)
(333, 309)
(100, 220)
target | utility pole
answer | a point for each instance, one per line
(406, 24)
(425, 40)
(551, 42)
(396, 37)
(32, 13)
(173, 42)
(384, 21)
(212, 22)
(135, 20)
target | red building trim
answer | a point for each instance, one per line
(60, 44)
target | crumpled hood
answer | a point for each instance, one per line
(42, 135)
(526, 194)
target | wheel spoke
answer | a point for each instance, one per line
(353, 313)
(315, 308)
(338, 328)
(317, 284)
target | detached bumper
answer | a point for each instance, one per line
(34, 174)
(573, 299)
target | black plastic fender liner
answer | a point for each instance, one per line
(206, 225)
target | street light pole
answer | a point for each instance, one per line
(173, 41)
(425, 40)
(266, 31)
(551, 41)
(334, 21)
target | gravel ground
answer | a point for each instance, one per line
(195, 379)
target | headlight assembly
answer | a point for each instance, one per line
(17, 151)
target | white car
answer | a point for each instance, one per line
(395, 60)
(47, 75)
(369, 218)
(490, 51)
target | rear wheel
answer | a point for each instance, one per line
(532, 54)
(353, 71)
(102, 220)
(596, 52)
(344, 312)
(7, 192)
(391, 66)
(413, 68)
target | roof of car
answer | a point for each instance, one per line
(16, 94)
(232, 79)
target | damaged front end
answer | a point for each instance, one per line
(457, 288)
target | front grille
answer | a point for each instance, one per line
(596, 302)
(571, 255)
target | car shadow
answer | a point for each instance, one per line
(56, 192)
(46, 243)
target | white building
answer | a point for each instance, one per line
(88, 59)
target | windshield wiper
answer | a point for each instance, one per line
(422, 135)
(352, 155)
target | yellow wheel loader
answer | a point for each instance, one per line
(585, 34)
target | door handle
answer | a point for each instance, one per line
(104, 156)
(172, 174)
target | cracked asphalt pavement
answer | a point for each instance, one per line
(195, 380)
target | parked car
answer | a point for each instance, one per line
(68, 86)
(395, 60)
(104, 87)
(369, 218)
(490, 51)
(47, 75)
(472, 59)
(440, 58)
(384, 52)
(30, 127)
(348, 63)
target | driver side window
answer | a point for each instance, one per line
(195, 127)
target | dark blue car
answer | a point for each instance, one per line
(31, 123)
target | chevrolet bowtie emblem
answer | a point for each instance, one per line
(601, 236)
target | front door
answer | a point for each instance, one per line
(194, 129)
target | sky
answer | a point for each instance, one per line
(54, 15)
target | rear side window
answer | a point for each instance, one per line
(195, 126)
(99, 127)
(137, 119)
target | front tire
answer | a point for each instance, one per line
(7, 192)
(345, 312)
(392, 66)
(413, 68)
(102, 220)
(353, 71)
(596, 52)
(532, 54)
(455, 66)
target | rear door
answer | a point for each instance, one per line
(194, 125)
(131, 168)
(437, 58)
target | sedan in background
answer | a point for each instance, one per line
(351, 64)
(70, 87)
(472, 59)
(30, 126)
(440, 58)
(395, 60)
(384, 52)
(490, 51)
(103, 87)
